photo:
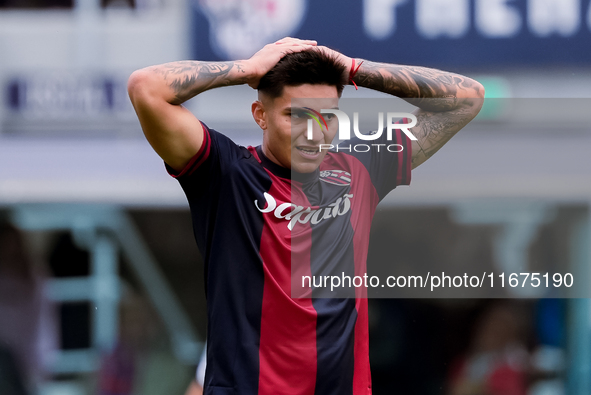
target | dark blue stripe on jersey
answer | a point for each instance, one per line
(335, 337)
(335, 325)
(232, 353)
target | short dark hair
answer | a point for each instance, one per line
(311, 66)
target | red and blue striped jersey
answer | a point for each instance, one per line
(260, 228)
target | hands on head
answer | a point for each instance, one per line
(156, 93)
(265, 59)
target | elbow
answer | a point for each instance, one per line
(475, 98)
(479, 96)
(135, 84)
(473, 89)
(141, 85)
(479, 90)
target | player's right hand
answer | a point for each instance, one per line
(265, 59)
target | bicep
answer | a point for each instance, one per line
(173, 131)
(434, 129)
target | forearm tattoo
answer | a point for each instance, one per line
(429, 89)
(189, 78)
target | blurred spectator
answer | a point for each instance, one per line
(497, 361)
(28, 330)
(118, 372)
(141, 363)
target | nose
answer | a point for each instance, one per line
(315, 131)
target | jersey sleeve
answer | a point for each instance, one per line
(203, 173)
(388, 162)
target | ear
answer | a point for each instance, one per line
(259, 114)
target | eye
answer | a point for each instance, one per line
(297, 114)
(329, 117)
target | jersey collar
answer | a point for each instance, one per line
(284, 172)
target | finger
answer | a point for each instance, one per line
(286, 40)
(296, 44)
(294, 48)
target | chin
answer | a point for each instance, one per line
(304, 167)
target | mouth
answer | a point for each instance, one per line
(309, 152)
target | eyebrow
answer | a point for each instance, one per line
(286, 109)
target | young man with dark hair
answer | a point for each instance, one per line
(261, 213)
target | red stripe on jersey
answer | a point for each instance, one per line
(287, 349)
(197, 159)
(205, 153)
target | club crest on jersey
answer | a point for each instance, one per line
(298, 214)
(336, 177)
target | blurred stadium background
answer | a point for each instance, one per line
(119, 302)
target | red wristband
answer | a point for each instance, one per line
(354, 71)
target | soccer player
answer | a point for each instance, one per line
(261, 213)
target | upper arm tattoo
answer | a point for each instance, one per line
(442, 110)
(189, 78)
(434, 129)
